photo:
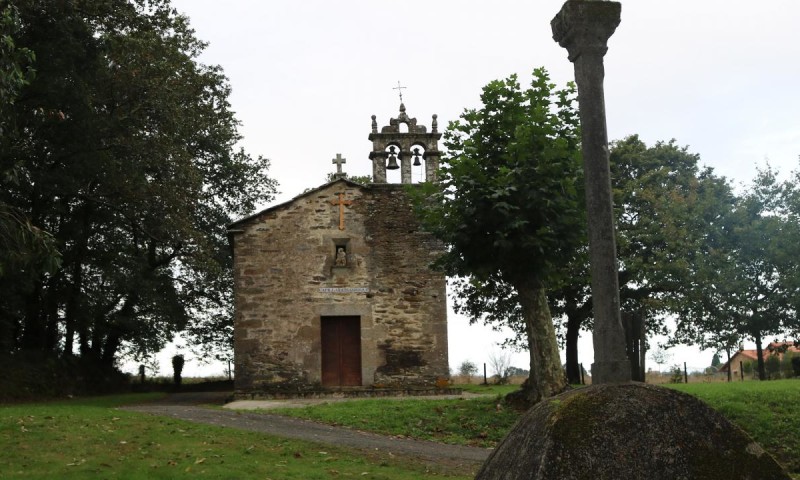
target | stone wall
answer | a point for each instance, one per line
(286, 279)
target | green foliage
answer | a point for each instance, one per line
(746, 282)
(663, 202)
(773, 366)
(676, 374)
(125, 151)
(24, 248)
(467, 369)
(32, 375)
(90, 438)
(475, 422)
(510, 187)
(177, 368)
(509, 207)
(362, 179)
(715, 361)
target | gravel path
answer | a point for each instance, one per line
(455, 457)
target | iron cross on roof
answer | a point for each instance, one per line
(399, 90)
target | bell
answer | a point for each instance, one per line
(417, 163)
(392, 165)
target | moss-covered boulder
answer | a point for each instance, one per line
(628, 431)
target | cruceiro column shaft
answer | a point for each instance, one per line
(583, 28)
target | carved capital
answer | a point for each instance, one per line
(584, 26)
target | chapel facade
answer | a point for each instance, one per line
(334, 290)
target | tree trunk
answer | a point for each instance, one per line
(573, 331)
(50, 301)
(34, 325)
(546, 375)
(730, 367)
(762, 372)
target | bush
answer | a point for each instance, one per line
(177, 369)
(773, 367)
(467, 369)
(796, 365)
(676, 374)
(36, 375)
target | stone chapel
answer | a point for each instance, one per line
(334, 290)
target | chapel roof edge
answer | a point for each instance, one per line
(231, 227)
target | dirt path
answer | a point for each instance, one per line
(455, 458)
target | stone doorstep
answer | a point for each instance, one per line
(347, 392)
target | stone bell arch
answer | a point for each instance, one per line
(393, 148)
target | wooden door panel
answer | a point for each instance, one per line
(350, 365)
(341, 351)
(330, 352)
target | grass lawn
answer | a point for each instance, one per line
(768, 411)
(488, 389)
(89, 438)
(476, 422)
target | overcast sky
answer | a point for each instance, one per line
(719, 76)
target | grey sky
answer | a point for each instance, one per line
(718, 76)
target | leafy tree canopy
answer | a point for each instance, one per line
(509, 206)
(125, 148)
(750, 275)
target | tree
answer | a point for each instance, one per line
(659, 201)
(715, 361)
(26, 250)
(125, 148)
(467, 369)
(702, 318)
(747, 282)
(509, 207)
(362, 179)
(500, 362)
(177, 369)
(763, 281)
(661, 357)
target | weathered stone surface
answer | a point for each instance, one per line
(583, 28)
(287, 279)
(627, 431)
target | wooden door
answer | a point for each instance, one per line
(341, 351)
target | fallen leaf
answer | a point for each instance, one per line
(199, 461)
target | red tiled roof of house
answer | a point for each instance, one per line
(775, 345)
(768, 351)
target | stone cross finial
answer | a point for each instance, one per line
(583, 27)
(339, 160)
(399, 90)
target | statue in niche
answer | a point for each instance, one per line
(341, 257)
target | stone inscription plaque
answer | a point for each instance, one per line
(344, 290)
